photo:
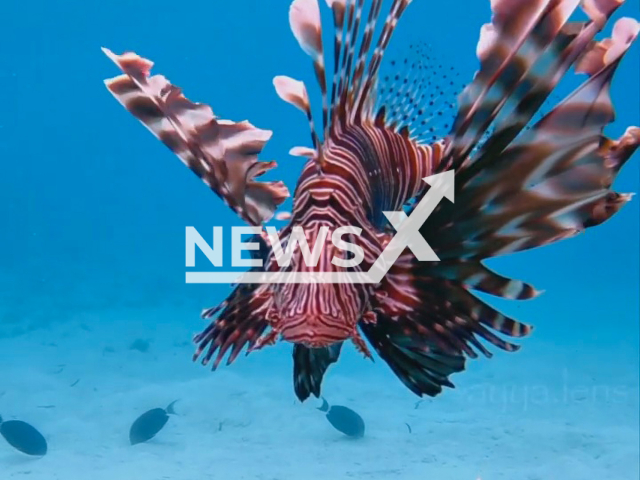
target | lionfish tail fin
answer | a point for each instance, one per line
(353, 83)
(222, 153)
(309, 367)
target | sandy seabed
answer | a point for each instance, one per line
(557, 416)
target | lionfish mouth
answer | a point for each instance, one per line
(304, 334)
(320, 336)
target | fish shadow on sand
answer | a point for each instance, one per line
(155, 443)
(15, 459)
(332, 440)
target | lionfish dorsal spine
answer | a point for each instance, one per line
(304, 18)
(353, 85)
(367, 38)
(338, 8)
(365, 92)
(295, 92)
(346, 92)
(343, 69)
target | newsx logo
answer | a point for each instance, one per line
(407, 235)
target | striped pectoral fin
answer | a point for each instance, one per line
(242, 322)
(474, 275)
(310, 366)
(518, 34)
(524, 53)
(428, 322)
(221, 152)
(550, 183)
(423, 367)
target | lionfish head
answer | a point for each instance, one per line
(318, 314)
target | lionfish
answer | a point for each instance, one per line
(520, 182)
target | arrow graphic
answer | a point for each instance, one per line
(408, 227)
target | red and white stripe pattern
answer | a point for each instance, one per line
(516, 188)
(222, 153)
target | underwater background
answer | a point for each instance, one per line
(96, 320)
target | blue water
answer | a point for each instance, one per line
(93, 211)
